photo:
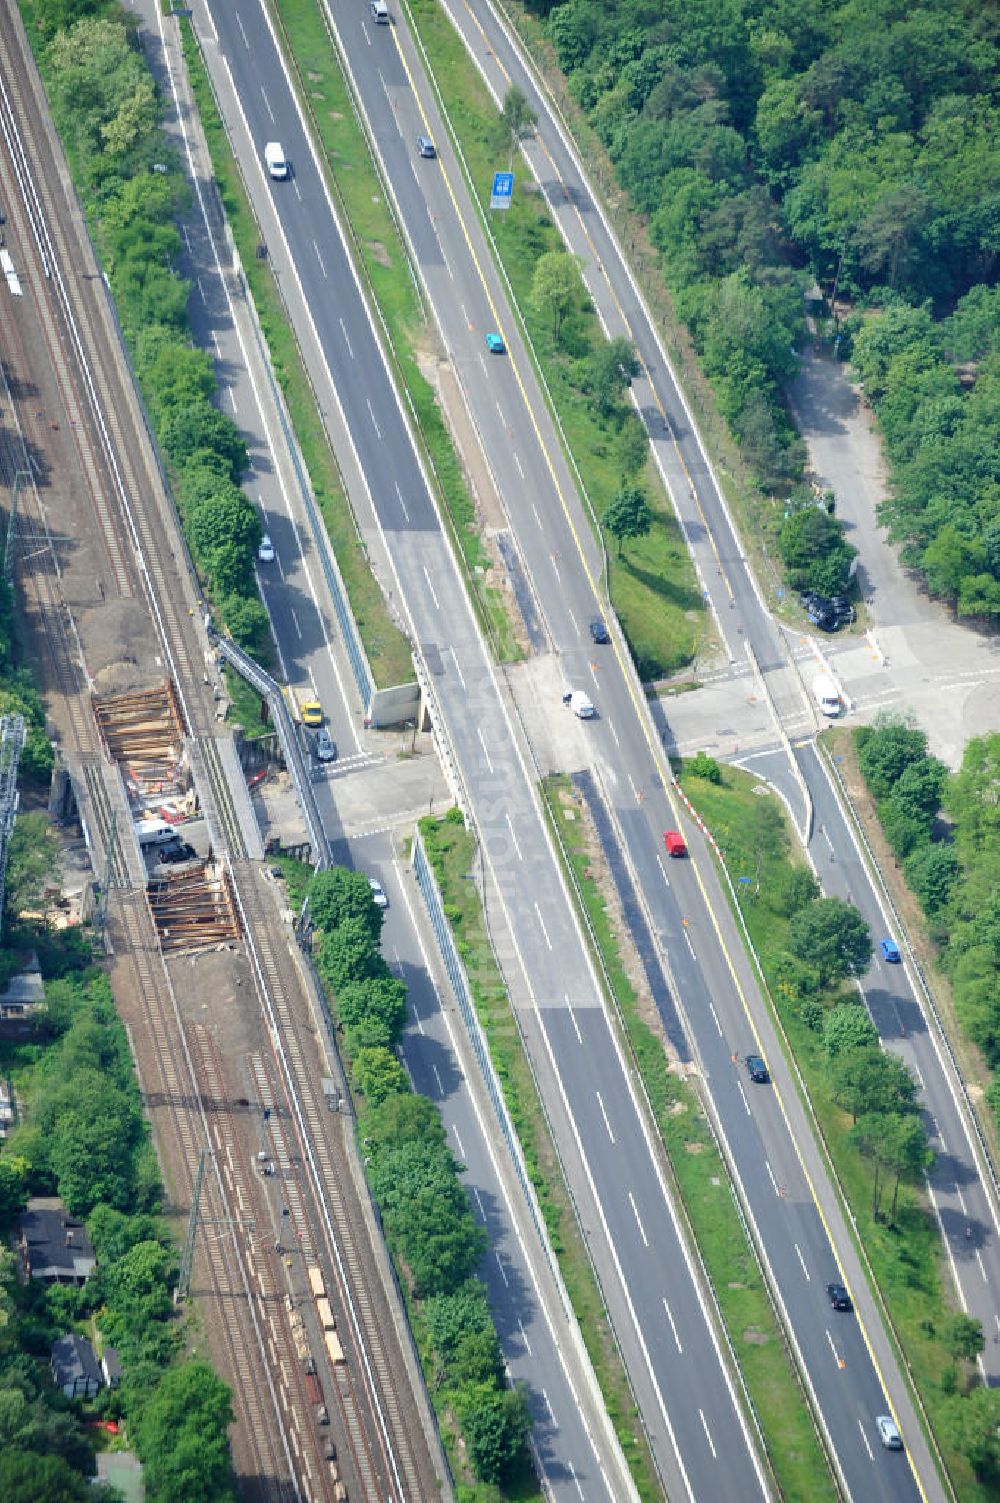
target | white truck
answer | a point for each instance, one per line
(827, 695)
(154, 832)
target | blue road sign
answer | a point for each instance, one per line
(503, 190)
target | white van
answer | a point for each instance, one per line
(827, 695)
(275, 160)
(579, 704)
(380, 12)
(154, 832)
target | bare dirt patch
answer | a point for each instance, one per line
(379, 252)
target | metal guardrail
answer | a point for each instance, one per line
(283, 724)
(837, 1184)
(356, 654)
(987, 1168)
(427, 882)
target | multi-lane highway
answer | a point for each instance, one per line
(962, 1184)
(784, 1184)
(549, 534)
(694, 1415)
(574, 1444)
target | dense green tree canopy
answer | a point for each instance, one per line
(858, 145)
(832, 936)
(427, 1215)
(183, 1432)
(848, 1027)
(338, 894)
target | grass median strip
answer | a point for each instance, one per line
(702, 1181)
(387, 648)
(452, 853)
(904, 1251)
(382, 261)
(653, 589)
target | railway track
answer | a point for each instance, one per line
(221, 1259)
(122, 484)
(338, 1231)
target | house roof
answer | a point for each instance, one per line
(57, 1243)
(111, 1363)
(73, 1358)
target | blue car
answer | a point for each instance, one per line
(495, 344)
(890, 951)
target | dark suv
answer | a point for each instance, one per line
(838, 1296)
(171, 855)
(826, 613)
(757, 1070)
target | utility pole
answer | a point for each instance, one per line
(196, 1219)
(21, 478)
(187, 1252)
(12, 733)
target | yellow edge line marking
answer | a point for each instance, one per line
(656, 750)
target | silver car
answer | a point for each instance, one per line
(888, 1434)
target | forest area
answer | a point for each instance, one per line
(780, 145)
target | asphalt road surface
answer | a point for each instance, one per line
(696, 1424)
(741, 612)
(572, 1448)
(629, 769)
(555, 542)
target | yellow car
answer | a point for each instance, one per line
(312, 712)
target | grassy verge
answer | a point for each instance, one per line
(296, 875)
(907, 1258)
(451, 851)
(382, 260)
(387, 648)
(654, 590)
(703, 1182)
(244, 704)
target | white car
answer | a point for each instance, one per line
(275, 160)
(266, 550)
(378, 893)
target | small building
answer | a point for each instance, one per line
(21, 1001)
(8, 1108)
(111, 1367)
(54, 1245)
(74, 1367)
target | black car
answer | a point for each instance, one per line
(838, 1296)
(599, 631)
(843, 609)
(757, 1070)
(170, 855)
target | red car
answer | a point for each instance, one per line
(674, 843)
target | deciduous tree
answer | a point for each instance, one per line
(378, 1074)
(831, 935)
(339, 893)
(628, 516)
(556, 287)
(610, 371)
